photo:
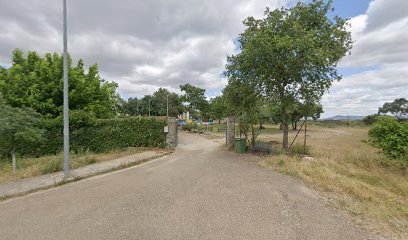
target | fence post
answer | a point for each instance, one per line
(230, 132)
(172, 137)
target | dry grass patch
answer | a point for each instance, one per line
(29, 167)
(354, 177)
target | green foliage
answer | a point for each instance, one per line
(243, 103)
(398, 108)
(218, 106)
(392, 137)
(99, 135)
(193, 127)
(281, 163)
(37, 82)
(291, 54)
(158, 104)
(109, 134)
(370, 119)
(18, 127)
(304, 109)
(195, 97)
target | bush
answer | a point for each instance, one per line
(370, 119)
(392, 137)
(100, 135)
(115, 133)
(189, 126)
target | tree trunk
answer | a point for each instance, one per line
(260, 124)
(294, 125)
(230, 132)
(253, 135)
(13, 161)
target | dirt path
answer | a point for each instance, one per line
(199, 192)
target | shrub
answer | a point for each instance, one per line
(115, 133)
(100, 135)
(189, 126)
(370, 119)
(392, 137)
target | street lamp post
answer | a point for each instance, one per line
(66, 106)
(167, 106)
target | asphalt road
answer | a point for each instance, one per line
(199, 192)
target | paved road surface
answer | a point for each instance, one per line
(200, 192)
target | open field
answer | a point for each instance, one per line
(30, 167)
(352, 175)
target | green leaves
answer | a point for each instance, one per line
(36, 82)
(194, 96)
(398, 108)
(98, 135)
(18, 127)
(391, 136)
(291, 54)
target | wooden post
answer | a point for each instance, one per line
(304, 145)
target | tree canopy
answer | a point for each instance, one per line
(18, 127)
(195, 99)
(398, 108)
(36, 82)
(291, 54)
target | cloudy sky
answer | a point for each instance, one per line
(147, 44)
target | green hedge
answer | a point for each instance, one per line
(88, 134)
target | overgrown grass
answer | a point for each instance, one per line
(29, 167)
(353, 175)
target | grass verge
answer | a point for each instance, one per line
(354, 177)
(30, 167)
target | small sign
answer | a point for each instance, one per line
(166, 129)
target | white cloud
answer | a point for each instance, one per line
(381, 45)
(142, 45)
(147, 44)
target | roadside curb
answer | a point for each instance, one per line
(30, 185)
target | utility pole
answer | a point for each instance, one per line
(66, 106)
(167, 105)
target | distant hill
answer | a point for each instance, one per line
(341, 117)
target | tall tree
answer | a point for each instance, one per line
(398, 108)
(195, 97)
(160, 98)
(217, 106)
(304, 110)
(37, 82)
(291, 54)
(242, 102)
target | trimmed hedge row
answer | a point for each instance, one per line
(87, 134)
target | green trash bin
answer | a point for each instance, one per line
(240, 145)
